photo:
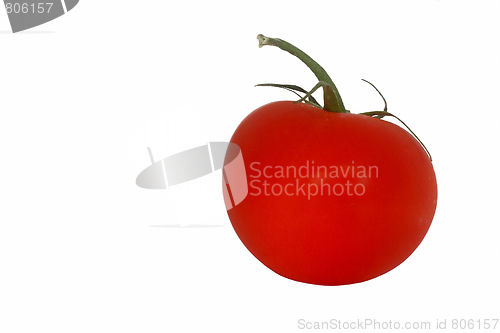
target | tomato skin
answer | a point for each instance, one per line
(331, 239)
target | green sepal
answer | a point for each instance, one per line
(290, 87)
(380, 114)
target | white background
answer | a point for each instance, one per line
(82, 97)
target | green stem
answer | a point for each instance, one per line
(333, 101)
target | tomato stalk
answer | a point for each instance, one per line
(332, 99)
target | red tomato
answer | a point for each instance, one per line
(333, 198)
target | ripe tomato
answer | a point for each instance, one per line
(333, 198)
